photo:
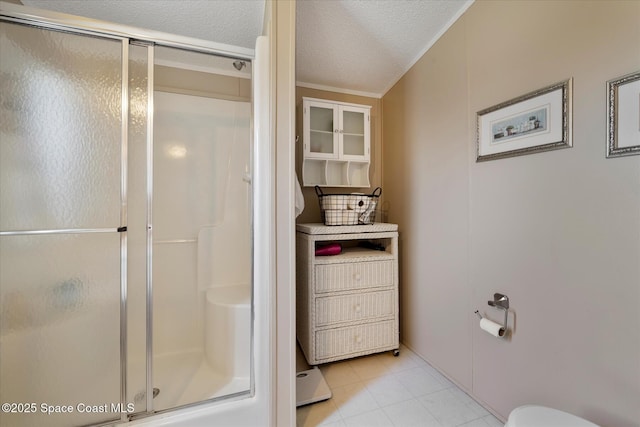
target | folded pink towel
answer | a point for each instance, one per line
(330, 249)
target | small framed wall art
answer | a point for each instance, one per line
(535, 122)
(623, 115)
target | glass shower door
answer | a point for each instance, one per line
(61, 241)
(201, 229)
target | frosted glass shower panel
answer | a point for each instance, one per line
(61, 106)
(59, 325)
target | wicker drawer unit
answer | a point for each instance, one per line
(347, 304)
(355, 307)
(358, 275)
(342, 343)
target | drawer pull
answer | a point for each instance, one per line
(357, 308)
(358, 339)
(357, 277)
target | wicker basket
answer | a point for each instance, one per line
(348, 209)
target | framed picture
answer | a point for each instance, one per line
(623, 115)
(535, 122)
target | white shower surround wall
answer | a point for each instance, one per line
(202, 251)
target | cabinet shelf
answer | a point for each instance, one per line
(335, 173)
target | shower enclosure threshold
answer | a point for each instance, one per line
(186, 378)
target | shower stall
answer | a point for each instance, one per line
(126, 224)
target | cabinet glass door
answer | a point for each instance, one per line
(322, 128)
(354, 132)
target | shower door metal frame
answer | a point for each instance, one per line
(149, 285)
(132, 35)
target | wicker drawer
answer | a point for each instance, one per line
(332, 343)
(355, 307)
(348, 276)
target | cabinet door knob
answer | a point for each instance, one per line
(335, 130)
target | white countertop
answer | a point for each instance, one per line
(320, 228)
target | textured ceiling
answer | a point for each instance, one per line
(367, 45)
(357, 46)
(234, 22)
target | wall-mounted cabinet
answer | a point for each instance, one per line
(336, 143)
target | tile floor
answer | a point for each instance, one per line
(382, 390)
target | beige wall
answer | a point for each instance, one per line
(311, 211)
(558, 232)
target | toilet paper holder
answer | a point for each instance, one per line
(501, 302)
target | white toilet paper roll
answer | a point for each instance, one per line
(492, 327)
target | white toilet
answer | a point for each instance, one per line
(540, 416)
